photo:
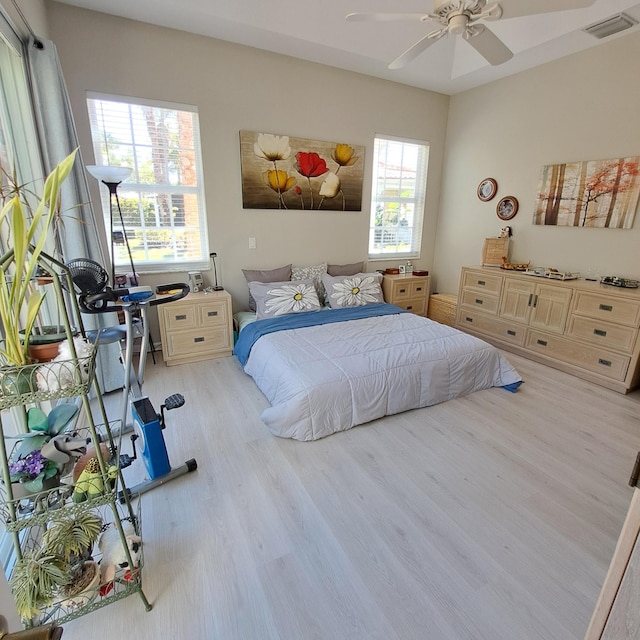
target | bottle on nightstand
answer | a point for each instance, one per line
(408, 268)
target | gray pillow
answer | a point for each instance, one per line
(275, 299)
(353, 291)
(316, 272)
(345, 269)
(260, 275)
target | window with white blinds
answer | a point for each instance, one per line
(397, 200)
(162, 201)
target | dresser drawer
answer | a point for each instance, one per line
(608, 308)
(181, 343)
(480, 300)
(506, 331)
(482, 282)
(212, 313)
(600, 332)
(180, 317)
(415, 305)
(606, 363)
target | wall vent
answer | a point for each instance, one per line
(612, 25)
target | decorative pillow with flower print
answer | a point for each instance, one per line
(353, 291)
(276, 299)
(315, 273)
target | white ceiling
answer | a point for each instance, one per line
(318, 32)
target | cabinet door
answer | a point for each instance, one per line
(517, 296)
(550, 308)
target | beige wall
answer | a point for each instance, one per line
(234, 88)
(583, 107)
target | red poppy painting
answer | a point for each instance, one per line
(598, 193)
(282, 172)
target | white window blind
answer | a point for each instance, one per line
(162, 202)
(397, 199)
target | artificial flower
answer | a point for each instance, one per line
(292, 298)
(310, 164)
(343, 155)
(272, 148)
(356, 291)
(280, 181)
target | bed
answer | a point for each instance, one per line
(329, 370)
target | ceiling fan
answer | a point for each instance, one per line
(461, 17)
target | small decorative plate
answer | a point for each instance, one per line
(507, 208)
(487, 189)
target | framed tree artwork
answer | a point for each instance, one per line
(596, 193)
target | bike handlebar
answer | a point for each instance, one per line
(99, 302)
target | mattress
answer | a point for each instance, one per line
(327, 371)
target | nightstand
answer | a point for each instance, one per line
(198, 327)
(407, 291)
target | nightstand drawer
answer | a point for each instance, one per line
(415, 305)
(180, 317)
(181, 343)
(212, 313)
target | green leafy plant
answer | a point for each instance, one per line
(52, 569)
(27, 234)
(32, 470)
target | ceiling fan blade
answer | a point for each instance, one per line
(488, 45)
(415, 50)
(383, 17)
(519, 8)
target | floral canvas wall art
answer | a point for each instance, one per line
(283, 172)
(597, 193)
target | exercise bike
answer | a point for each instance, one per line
(94, 296)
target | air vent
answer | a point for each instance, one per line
(612, 25)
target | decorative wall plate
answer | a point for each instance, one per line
(487, 189)
(507, 208)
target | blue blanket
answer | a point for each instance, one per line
(259, 328)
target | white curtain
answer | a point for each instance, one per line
(78, 235)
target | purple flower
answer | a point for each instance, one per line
(30, 466)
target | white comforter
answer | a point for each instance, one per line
(328, 378)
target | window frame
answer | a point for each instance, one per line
(136, 190)
(418, 201)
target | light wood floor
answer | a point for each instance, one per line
(488, 517)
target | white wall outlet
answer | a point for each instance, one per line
(252, 243)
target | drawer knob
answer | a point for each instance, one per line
(409, 308)
(478, 301)
(482, 283)
(542, 343)
(606, 363)
(600, 332)
(511, 332)
(402, 290)
(606, 307)
(182, 316)
(198, 339)
(212, 313)
(418, 288)
(468, 319)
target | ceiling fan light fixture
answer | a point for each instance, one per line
(458, 23)
(610, 26)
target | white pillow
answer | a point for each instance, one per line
(281, 298)
(353, 291)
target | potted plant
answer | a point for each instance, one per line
(37, 576)
(20, 302)
(61, 569)
(33, 474)
(71, 536)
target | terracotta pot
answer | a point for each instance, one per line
(43, 352)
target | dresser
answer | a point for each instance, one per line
(198, 327)
(407, 291)
(584, 328)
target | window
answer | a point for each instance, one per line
(397, 198)
(162, 201)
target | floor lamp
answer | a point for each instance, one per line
(112, 177)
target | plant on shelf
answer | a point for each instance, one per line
(32, 472)
(27, 232)
(62, 568)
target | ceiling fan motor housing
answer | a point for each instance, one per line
(447, 8)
